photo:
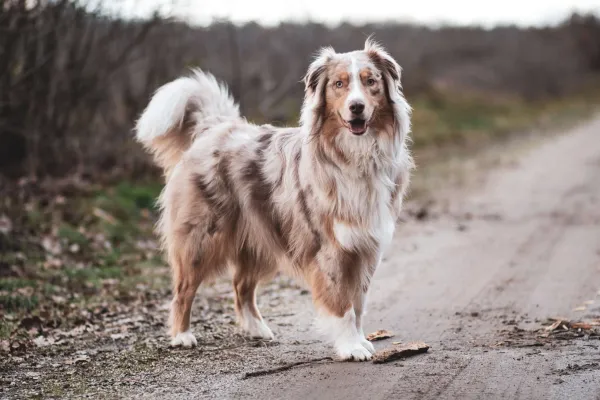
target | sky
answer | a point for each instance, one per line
(432, 12)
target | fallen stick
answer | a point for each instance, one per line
(395, 353)
(283, 368)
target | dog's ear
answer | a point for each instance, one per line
(313, 76)
(315, 82)
(316, 73)
(386, 65)
(391, 72)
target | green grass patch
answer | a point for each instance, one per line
(93, 274)
(111, 258)
(17, 302)
(5, 329)
(10, 284)
(49, 289)
(72, 235)
(443, 119)
(34, 217)
(125, 201)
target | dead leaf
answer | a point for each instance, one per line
(5, 224)
(51, 245)
(53, 262)
(588, 302)
(32, 374)
(26, 291)
(379, 335)
(58, 299)
(579, 309)
(555, 325)
(395, 353)
(117, 336)
(581, 325)
(396, 342)
(42, 341)
(77, 360)
(103, 215)
(5, 346)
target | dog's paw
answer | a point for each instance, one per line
(263, 332)
(184, 339)
(353, 351)
(367, 345)
(257, 329)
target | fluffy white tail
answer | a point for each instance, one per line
(167, 126)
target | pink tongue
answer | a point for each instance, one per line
(357, 127)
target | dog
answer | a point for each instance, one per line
(318, 201)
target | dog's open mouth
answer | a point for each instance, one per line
(357, 126)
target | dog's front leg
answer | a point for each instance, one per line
(360, 300)
(334, 295)
(360, 304)
(348, 344)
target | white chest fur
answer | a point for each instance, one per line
(352, 236)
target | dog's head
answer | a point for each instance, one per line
(355, 94)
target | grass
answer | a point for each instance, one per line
(92, 275)
(12, 298)
(75, 246)
(16, 302)
(11, 284)
(126, 200)
(72, 235)
(5, 330)
(442, 120)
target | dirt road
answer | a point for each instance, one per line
(524, 246)
(474, 278)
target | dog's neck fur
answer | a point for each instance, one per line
(355, 176)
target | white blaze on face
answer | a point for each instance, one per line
(356, 94)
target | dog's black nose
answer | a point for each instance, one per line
(357, 107)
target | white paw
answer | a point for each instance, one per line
(257, 328)
(354, 351)
(184, 339)
(367, 345)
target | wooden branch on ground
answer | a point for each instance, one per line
(283, 368)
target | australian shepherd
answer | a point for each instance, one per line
(318, 201)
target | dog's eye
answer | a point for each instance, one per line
(339, 84)
(370, 81)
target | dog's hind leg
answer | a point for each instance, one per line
(186, 280)
(245, 280)
(192, 262)
(195, 255)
